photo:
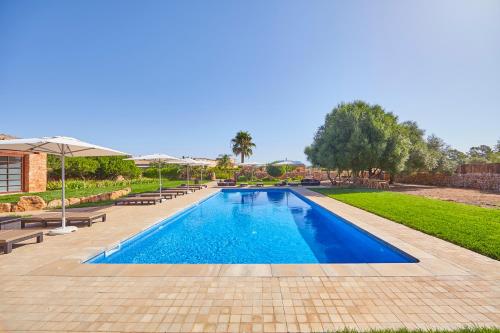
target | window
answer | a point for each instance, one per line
(10, 174)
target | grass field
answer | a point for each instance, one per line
(474, 228)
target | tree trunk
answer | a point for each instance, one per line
(330, 177)
(242, 158)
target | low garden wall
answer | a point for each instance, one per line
(33, 202)
(480, 181)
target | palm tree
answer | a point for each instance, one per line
(242, 145)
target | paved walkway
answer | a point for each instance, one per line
(43, 287)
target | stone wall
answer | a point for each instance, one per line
(480, 181)
(34, 202)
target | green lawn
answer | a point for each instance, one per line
(56, 194)
(474, 228)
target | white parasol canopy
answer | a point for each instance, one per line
(253, 165)
(187, 162)
(156, 158)
(62, 146)
(203, 164)
(287, 162)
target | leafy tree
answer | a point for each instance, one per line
(497, 146)
(75, 167)
(495, 157)
(168, 171)
(456, 156)
(418, 158)
(275, 170)
(80, 167)
(482, 151)
(357, 136)
(113, 166)
(242, 145)
(442, 158)
(224, 163)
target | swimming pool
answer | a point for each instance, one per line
(254, 227)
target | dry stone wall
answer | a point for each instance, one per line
(480, 181)
(33, 202)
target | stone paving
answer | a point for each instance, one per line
(44, 287)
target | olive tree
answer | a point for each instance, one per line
(358, 136)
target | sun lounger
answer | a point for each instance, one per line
(44, 218)
(4, 220)
(282, 183)
(310, 182)
(9, 237)
(243, 184)
(164, 195)
(178, 191)
(259, 184)
(197, 187)
(190, 188)
(227, 182)
(293, 184)
(137, 200)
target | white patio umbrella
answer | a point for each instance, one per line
(203, 164)
(189, 162)
(286, 163)
(253, 165)
(156, 158)
(62, 146)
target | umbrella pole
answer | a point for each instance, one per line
(63, 195)
(159, 175)
(188, 188)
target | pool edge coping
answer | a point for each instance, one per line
(428, 265)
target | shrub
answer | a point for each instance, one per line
(106, 167)
(220, 174)
(275, 170)
(171, 172)
(75, 184)
(113, 166)
(242, 178)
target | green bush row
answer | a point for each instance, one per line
(75, 184)
(106, 167)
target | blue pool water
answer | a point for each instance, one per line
(253, 227)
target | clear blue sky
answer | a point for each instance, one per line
(182, 77)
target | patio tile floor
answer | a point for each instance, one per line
(44, 287)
